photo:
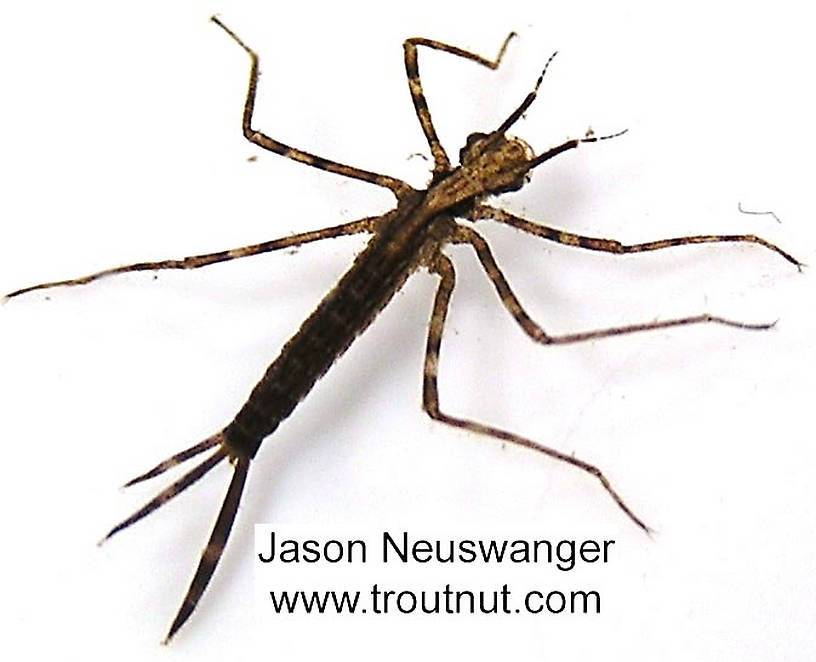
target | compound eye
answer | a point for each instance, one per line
(473, 138)
(470, 145)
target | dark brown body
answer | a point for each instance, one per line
(347, 310)
(409, 237)
(406, 238)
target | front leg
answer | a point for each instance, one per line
(397, 186)
(441, 161)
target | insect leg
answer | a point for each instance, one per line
(537, 333)
(441, 161)
(398, 187)
(612, 246)
(430, 394)
(215, 547)
(196, 261)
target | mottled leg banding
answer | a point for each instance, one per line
(398, 187)
(537, 333)
(430, 394)
(441, 161)
(368, 224)
(612, 246)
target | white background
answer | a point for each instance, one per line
(120, 142)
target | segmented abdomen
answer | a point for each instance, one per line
(376, 275)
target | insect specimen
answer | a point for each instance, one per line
(410, 237)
